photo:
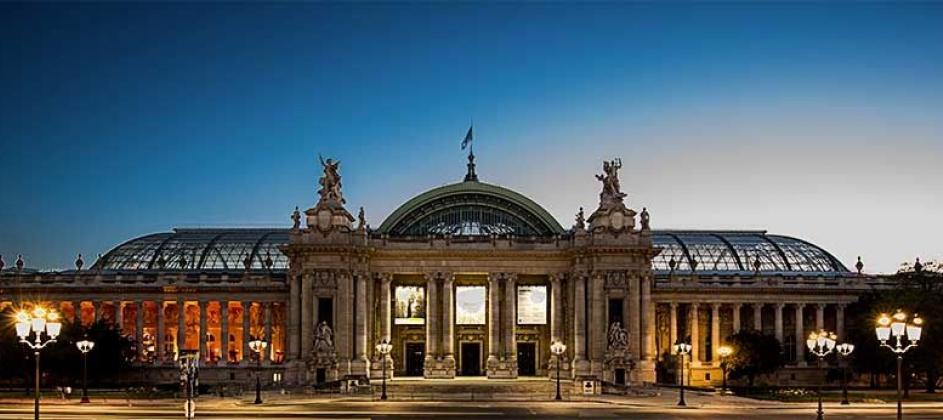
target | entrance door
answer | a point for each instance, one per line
(415, 357)
(471, 359)
(526, 359)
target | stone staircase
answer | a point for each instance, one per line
(474, 389)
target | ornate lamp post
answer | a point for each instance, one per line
(844, 350)
(724, 352)
(85, 346)
(384, 349)
(682, 349)
(899, 328)
(258, 346)
(37, 330)
(558, 348)
(821, 344)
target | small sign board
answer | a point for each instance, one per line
(589, 387)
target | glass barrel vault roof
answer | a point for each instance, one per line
(707, 251)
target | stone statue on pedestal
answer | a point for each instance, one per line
(330, 181)
(612, 215)
(618, 337)
(296, 219)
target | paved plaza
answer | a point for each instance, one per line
(661, 406)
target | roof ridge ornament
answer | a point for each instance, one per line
(612, 213)
(470, 175)
(329, 213)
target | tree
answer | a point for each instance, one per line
(918, 289)
(754, 354)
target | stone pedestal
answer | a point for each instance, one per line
(376, 369)
(439, 368)
(502, 368)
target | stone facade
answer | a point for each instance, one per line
(334, 297)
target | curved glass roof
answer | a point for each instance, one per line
(739, 251)
(200, 249)
(470, 208)
(721, 252)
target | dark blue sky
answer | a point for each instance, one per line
(821, 121)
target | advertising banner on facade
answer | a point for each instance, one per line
(470, 305)
(532, 305)
(410, 305)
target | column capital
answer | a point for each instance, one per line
(758, 305)
(737, 306)
(673, 305)
(716, 306)
(800, 305)
(385, 278)
(780, 305)
(556, 278)
(820, 306)
(841, 306)
(694, 305)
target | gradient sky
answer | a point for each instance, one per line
(820, 121)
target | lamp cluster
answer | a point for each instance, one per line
(821, 343)
(900, 328)
(42, 323)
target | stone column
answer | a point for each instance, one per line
(634, 328)
(494, 322)
(77, 312)
(800, 335)
(510, 328)
(597, 321)
(736, 317)
(840, 321)
(448, 319)
(695, 336)
(204, 354)
(307, 317)
(673, 324)
(648, 320)
(579, 325)
(556, 308)
(361, 318)
(119, 316)
(295, 305)
(159, 337)
(385, 301)
(820, 316)
(715, 333)
(246, 333)
(224, 330)
(267, 313)
(431, 321)
(779, 321)
(139, 328)
(758, 317)
(181, 325)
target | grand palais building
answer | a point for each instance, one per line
(467, 279)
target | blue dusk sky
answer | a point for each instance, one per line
(820, 121)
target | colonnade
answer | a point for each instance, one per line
(146, 322)
(797, 339)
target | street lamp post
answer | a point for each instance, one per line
(724, 352)
(258, 346)
(384, 348)
(844, 350)
(85, 346)
(821, 344)
(681, 349)
(899, 328)
(558, 348)
(37, 331)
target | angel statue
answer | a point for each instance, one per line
(611, 190)
(331, 180)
